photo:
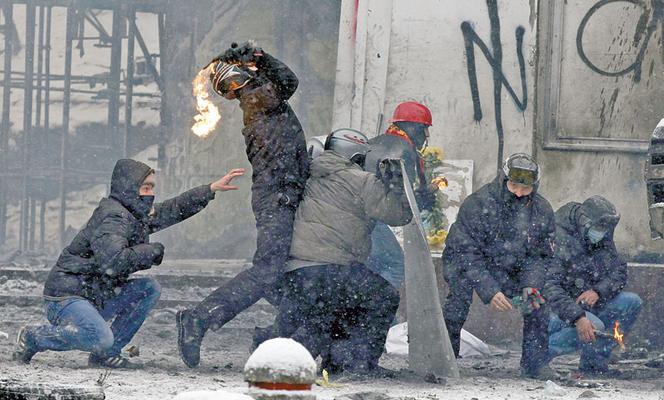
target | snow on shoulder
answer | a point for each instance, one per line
(280, 360)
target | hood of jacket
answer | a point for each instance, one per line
(599, 210)
(128, 175)
(330, 162)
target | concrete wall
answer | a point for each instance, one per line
(513, 68)
(425, 60)
(598, 102)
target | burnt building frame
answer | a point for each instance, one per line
(37, 88)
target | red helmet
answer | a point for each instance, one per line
(412, 111)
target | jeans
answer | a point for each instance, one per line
(563, 338)
(76, 324)
(386, 258)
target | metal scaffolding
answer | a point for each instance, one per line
(36, 84)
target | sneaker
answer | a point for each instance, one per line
(25, 346)
(191, 331)
(546, 373)
(115, 362)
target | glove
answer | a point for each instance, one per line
(245, 54)
(529, 301)
(389, 172)
(157, 253)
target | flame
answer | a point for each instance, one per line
(208, 114)
(440, 182)
(618, 335)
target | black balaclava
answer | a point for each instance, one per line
(128, 176)
(416, 132)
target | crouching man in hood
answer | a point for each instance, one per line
(343, 309)
(584, 286)
(90, 283)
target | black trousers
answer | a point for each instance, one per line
(342, 313)
(535, 345)
(274, 224)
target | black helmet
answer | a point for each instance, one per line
(228, 77)
(348, 143)
(522, 169)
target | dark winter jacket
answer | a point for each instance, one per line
(115, 241)
(500, 242)
(581, 266)
(389, 146)
(341, 205)
(274, 138)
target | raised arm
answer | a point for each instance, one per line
(384, 203)
(283, 79)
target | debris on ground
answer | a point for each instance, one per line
(553, 389)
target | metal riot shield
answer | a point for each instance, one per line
(429, 347)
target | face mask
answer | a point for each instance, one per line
(144, 206)
(595, 235)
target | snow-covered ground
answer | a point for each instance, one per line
(225, 353)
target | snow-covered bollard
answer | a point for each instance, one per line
(280, 369)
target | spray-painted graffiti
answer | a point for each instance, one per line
(495, 59)
(652, 16)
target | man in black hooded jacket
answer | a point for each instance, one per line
(500, 247)
(277, 151)
(90, 283)
(584, 287)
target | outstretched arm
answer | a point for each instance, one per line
(190, 203)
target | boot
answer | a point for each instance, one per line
(191, 331)
(25, 346)
(545, 373)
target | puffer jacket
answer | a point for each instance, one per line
(115, 241)
(274, 138)
(340, 208)
(580, 265)
(500, 242)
